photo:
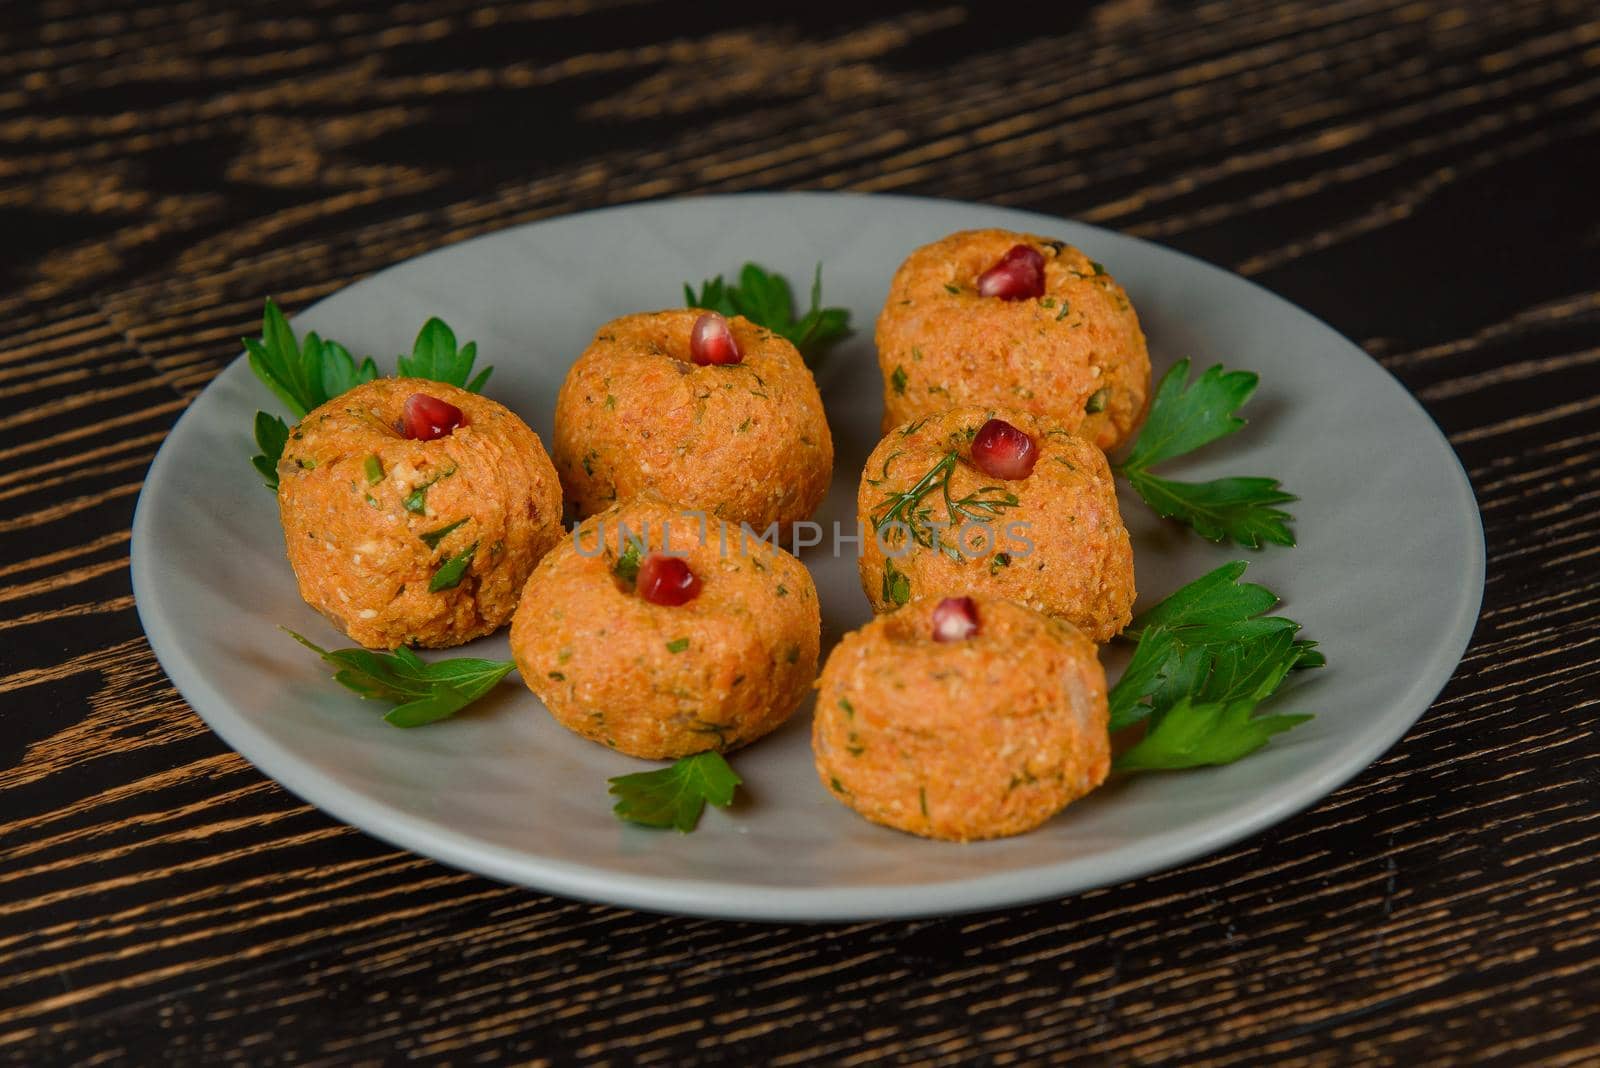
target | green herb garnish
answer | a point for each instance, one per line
(896, 586)
(1097, 401)
(1207, 657)
(898, 380)
(373, 468)
(764, 298)
(1183, 417)
(433, 537)
(675, 796)
(448, 577)
(272, 434)
(303, 375)
(421, 692)
(980, 506)
(434, 355)
(627, 566)
(1192, 735)
(677, 645)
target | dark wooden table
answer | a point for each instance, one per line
(1422, 175)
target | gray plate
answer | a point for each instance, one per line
(1388, 576)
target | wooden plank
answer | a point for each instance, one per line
(1419, 173)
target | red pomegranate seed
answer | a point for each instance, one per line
(954, 619)
(428, 418)
(1001, 450)
(711, 341)
(667, 580)
(1019, 275)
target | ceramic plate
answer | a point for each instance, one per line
(1387, 576)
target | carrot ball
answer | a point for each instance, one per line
(414, 511)
(1013, 320)
(962, 718)
(1000, 502)
(724, 418)
(661, 634)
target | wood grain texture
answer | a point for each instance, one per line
(1420, 174)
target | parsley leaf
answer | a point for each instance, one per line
(272, 434)
(1193, 735)
(303, 375)
(421, 692)
(1216, 598)
(1252, 667)
(1243, 509)
(1207, 657)
(1183, 417)
(675, 796)
(434, 355)
(764, 297)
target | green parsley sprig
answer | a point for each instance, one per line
(272, 434)
(675, 796)
(434, 355)
(307, 374)
(421, 692)
(764, 297)
(301, 375)
(1207, 657)
(1183, 417)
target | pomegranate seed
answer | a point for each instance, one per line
(711, 341)
(429, 418)
(955, 619)
(1001, 450)
(1019, 275)
(667, 580)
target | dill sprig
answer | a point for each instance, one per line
(910, 507)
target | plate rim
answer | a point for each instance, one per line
(1146, 855)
